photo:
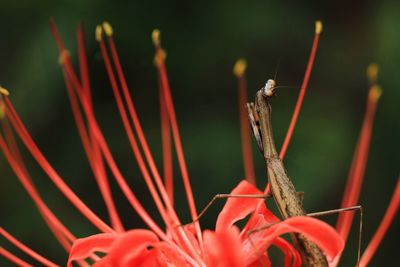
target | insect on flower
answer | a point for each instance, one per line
(174, 243)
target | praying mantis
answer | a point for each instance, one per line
(287, 199)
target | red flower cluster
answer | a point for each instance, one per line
(177, 244)
(226, 246)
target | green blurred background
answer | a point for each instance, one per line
(203, 40)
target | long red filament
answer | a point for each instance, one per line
(137, 125)
(166, 147)
(356, 175)
(59, 230)
(248, 162)
(53, 175)
(86, 106)
(177, 139)
(130, 196)
(120, 179)
(71, 79)
(95, 160)
(126, 190)
(302, 93)
(83, 66)
(130, 135)
(26, 249)
(11, 257)
(146, 150)
(93, 152)
(391, 212)
(63, 235)
(110, 161)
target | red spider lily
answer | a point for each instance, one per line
(178, 244)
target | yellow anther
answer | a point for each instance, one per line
(240, 67)
(4, 91)
(375, 93)
(155, 35)
(372, 72)
(63, 57)
(318, 27)
(2, 110)
(160, 56)
(99, 33)
(107, 28)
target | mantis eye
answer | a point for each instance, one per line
(269, 88)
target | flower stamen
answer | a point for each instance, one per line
(296, 112)
(239, 70)
(169, 216)
(383, 227)
(359, 162)
(74, 87)
(11, 257)
(53, 175)
(175, 130)
(26, 249)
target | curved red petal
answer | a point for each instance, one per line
(262, 261)
(130, 248)
(319, 232)
(289, 251)
(236, 209)
(223, 249)
(261, 216)
(84, 247)
(169, 255)
(121, 249)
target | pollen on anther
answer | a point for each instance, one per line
(375, 93)
(63, 56)
(162, 56)
(4, 91)
(155, 35)
(318, 27)
(372, 72)
(2, 110)
(99, 33)
(240, 67)
(107, 28)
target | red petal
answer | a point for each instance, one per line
(168, 254)
(123, 250)
(263, 216)
(262, 261)
(322, 234)
(130, 248)
(84, 247)
(161, 255)
(236, 209)
(223, 249)
(289, 251)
